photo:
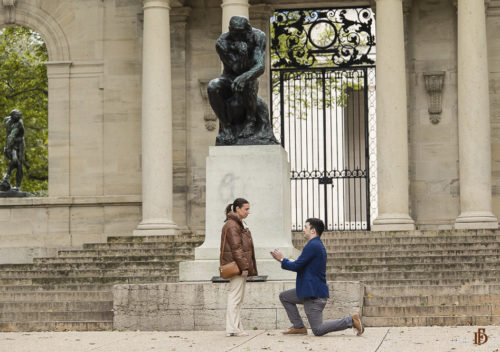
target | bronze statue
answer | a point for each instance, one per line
(243, 116)
(14, 149)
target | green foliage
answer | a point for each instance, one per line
(23, 86)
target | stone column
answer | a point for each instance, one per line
(157, 187)
(392, 127)
(232, 8)
(474, 146)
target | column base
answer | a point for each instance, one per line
(473, 220)
(393, 222)
(158, 228)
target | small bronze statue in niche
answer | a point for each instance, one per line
(14, 150)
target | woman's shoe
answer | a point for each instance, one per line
(237, 334)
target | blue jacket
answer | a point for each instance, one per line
(311, 270)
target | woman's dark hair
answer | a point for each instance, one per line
(238, 202)
(316, 224)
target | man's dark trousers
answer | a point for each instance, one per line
(314, 311)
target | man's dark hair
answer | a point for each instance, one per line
(316, 224)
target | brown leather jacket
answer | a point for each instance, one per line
(239, 245)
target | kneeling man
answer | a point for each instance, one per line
(311, 287)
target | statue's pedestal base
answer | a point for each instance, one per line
(261, 175)
(11, 193)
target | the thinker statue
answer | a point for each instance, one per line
(243, 116)
(14, 149)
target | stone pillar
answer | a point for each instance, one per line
(157, 187)
(232, 8)
(392, 127)
(58, 74)
(474, 146)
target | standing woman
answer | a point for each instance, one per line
(237, 245)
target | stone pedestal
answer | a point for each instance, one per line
(260, 174)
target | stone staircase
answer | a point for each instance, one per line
(420, 278)
(73, 291)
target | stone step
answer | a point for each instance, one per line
(56, 306)
(90, 280)
(410, 254)
(35, 274)
(55, 316)
(425, 282)
(446, 310)
(110, 259)
(125, 252)
(415, 275)
(56, 296)
(434, 300)
(426, 259)
(54, 288)
(464, 246)
(393, 240)
(430, 268)
(57, 326)
(411, 290)
(479, 320)
(137, 245)
(298, 235)
(126, 265)
(195, 239)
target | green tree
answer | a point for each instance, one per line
(23, 86)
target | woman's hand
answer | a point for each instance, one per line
(244, 273)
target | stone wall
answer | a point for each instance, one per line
(202, 306)
(433, 148)
(34, 227)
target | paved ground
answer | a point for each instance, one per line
(434, 339)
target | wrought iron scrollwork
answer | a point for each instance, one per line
(322, 38)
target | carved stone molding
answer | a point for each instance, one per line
(434, 87)
(487, 4)
(407, 4)
(208, 116)
(10, 6)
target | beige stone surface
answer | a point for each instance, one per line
(202, 306)
(396, 339)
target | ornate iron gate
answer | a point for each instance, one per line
(322, 76)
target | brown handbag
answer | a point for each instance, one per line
(228, 270)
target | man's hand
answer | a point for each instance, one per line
(244, 273)
(239, 83)
(277, 255)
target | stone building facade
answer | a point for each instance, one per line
(130, 125)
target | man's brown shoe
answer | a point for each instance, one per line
(356, 324)
(294, 331)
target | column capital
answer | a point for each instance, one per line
(148, 4)
(486, 3)
(407, 5)
(235, 2)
